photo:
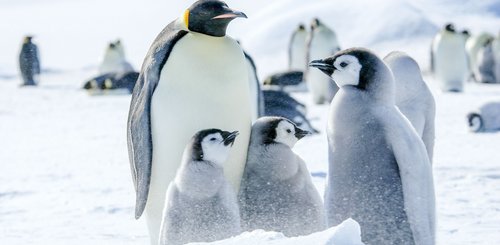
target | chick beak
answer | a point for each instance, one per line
(300, 133)
(230, 137)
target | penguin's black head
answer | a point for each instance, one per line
(211, 145)
(350, 67)
(302, 27)
(449, 27)
(27, 39)
(315, 23)
(273, 130)
(210, 17)
(112, 45)
(466, 33)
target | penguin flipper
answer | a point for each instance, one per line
(416, 176)
(139, 139)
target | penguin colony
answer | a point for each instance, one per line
(197, 183)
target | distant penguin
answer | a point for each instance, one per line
(379, 172)
(277, 193)
(485, 119)
(282, 99)
(200, 205)
(119, 46)
(321, 42)
(289, 81)
(449, 60)
(473, 46)
(114, 60)
(122, 81)
(495, 45)
(29, 63)
(256, 97)
(413, 97)
(112, 81)
(194, 76)
(485, 62)
(279, 103)
(297, 50)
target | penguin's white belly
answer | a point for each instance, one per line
(451, 63)
(204, 84)
(298, 53)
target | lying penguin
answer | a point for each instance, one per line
(279, 103)
(112, 81)
(485, 119)
(289, 81)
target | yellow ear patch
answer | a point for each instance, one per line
(186, 18)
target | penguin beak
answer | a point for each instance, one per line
(323, 65)
(230, 14)
(230, 137)
(300, 133)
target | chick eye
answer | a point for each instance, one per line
(343, 64)
(212, 139)
(288, 131)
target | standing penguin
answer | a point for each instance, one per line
(29, 63)
(194, 76)
(449, 59)
(485, 62)
(201, 206)
(473, 46)
(277, 193)
(495, 46)
(413, 98)
(297, 50)
(321, 42)
(114, 60)
(379, 172)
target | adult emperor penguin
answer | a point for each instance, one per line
(379, 172)
(449, 59)
(473, 46)
(201, 206)
(114, 60)
(495, 46)
(321, 42)
(277, 193)
(485, 61)
(297, 50)
(413, 98)
(29, 63)
(193, 77)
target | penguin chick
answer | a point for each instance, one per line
(200, 205)
(276, 190)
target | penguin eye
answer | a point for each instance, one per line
(343, 64)
(212, 139)
(288, 131)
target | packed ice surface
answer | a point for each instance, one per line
(66, 177)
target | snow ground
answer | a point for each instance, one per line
(66, 177)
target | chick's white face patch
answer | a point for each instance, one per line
(285, 133)
(347, 69)
(214, 149)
